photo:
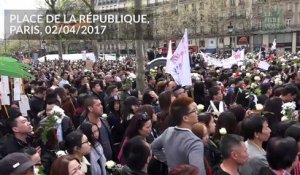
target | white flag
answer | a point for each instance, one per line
(273, 45)
(169, 56)
(179, 65)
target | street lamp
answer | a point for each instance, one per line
(230, 30)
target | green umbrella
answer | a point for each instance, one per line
(12, 68)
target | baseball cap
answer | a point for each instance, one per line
(15, 163)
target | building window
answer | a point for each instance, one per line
(232, 3)
(288, 22)
(290, 7)
(190, 42)
(202, 43)
(221, 40)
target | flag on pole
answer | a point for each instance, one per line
(273, 45)
(179, 64)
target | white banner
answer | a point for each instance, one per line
(179, 65)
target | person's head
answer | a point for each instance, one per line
(148, 97)
(18, 124)
(93, 105)
(151, 80)
(91, 131)
(179, 91)
(140, 124)
(65, 75)
(272, 108)
(266, 88)
(165, 100)
(233, 148)
(34, 155)
(108, 79)
(183, 112)
(256, 128)
(96, 86)
(73, 92)
(239, 112)
(294, 132)
(83, 80)
(149, 110)
(282, 153)
(215, 93)
(160, 87)
(289, 93)
(137, 160)
(200, 130)
(112, 91)
(114, 104)
(76, 143)
(170, 85)
(67, 88)
(54, 81)
(66, 165)
(131, 104)
(40, 92)
(61, 93)
(209, 121)
(16, 164)
(228, 121)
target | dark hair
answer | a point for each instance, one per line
(228, 142)
(294, 132)
(290, 89)
(199, 92)
(179, 108)
(61, 164)
(72, 140)
(213, 91)
(164, 99)
(137, 122)
(265, 87)
(40, 90)
(61, 93)
(134, 159)
(146, 108)
(86, 128)
(160, 87)
(252, 125)
(205, 118)
(51, 98)
(281, 127)
(273, 111)
(126, 107)
(147, 98)
(238, 111)
(94, 83)
(89, 101)
(13, 114)
(281, 152)
(72, 90)
(110, 89)
(228, 121)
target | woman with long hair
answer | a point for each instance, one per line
(97, 158)
(66, 165)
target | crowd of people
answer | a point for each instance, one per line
(84, 120)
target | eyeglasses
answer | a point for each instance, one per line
(85, 142)
(194, 110)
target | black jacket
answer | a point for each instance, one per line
(127, 171)
(10, 144)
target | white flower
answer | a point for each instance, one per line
(253, 85)
(257, 78)
(60, 153)
(259, 107)
(223, 131)
(248, 74)
(152, 70)
(240, 73)
(110, 164)
(200, 107)
(218, 71)
(283, 64)
(284, 118)
(263, 74)
(104, 115)
(155, 67)
(216, 113)
(258, 71)
(243, 67)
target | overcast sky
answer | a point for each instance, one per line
(16, 5)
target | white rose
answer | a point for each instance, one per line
(240, 73)
(200, 107)
(284, 118)
(257, 78)
(110, 164)
(259, 107)
(283, 64)
(253, 85)
(104, 115)
(223, 131)
(248, 75)
(218, 71)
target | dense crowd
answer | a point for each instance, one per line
(92, 120)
